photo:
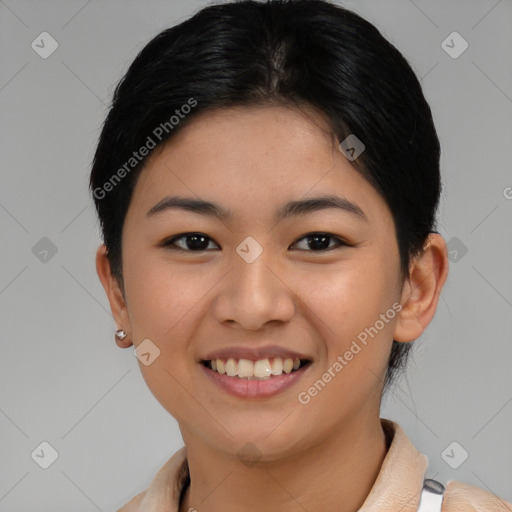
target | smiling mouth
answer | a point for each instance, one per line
(262, 369)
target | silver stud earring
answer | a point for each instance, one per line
(121, 334)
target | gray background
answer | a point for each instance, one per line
(62, 378)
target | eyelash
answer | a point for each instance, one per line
(170, 243)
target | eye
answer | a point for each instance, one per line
(320, 241)
(194, 242)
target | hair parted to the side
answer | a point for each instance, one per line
(295, 52)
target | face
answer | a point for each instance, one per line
(319, 284)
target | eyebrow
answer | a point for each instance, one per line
(293, 208)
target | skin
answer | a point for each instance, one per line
(320, 456)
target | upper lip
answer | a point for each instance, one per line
(254, 354)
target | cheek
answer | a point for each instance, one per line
(348, 301)
(163, 305)
(356, 287)
(160, 294)
(347, 306)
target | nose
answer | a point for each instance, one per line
(255, 294)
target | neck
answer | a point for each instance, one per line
(336, 474)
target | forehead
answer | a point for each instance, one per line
(252, 137)
(248, 157)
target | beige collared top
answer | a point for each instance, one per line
(397, 487)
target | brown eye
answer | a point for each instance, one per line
(318, 242)
(193, 242)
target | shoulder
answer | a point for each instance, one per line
(164, 489)
(462, 497)
(134, 504)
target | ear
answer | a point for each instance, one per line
(421, 291)
(114, 294)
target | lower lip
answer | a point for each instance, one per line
(252, 388)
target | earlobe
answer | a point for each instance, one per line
(115, 296)
(421, 292)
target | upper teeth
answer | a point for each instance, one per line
(262, 368)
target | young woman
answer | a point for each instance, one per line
(267, 181)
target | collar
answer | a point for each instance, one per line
(397, 487)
